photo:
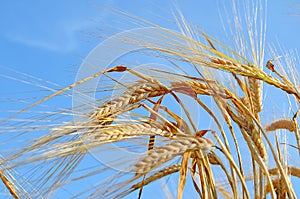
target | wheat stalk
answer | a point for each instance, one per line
(9, 185)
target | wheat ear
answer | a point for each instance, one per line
(281, 124)
(135, 94)
(157, 175)
(175, 148)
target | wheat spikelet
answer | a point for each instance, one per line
(208, 89)
(213, 159)
(257, 139)
(186, 88)
(245, 101)
(230, 66)
(223, 62)
(170, 151)
(193, 87)
(281, 124)
(255, 94)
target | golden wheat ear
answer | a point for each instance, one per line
(281, 124)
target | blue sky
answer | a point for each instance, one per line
(49, 39)
(59, 31)
(59, 28)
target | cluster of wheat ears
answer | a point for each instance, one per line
(243, 157)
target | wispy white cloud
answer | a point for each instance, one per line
(62, 37)
(50, 26)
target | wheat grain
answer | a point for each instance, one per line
(255, 94)
(257, 139)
